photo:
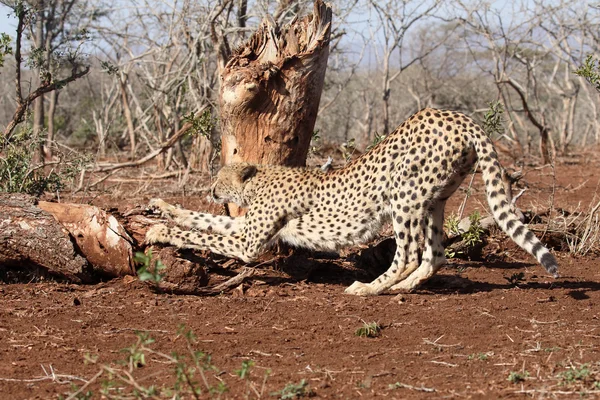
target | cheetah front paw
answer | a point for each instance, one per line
(359, 289)
(159, 233)
(162, 206)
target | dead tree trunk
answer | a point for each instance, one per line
(271, 88)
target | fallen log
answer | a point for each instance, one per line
(82, 243)
(31, 238)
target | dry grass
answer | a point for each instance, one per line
(582, 230)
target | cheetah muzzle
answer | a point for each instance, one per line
(407, 179)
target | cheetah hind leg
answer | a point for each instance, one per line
(407, 243)
(433, 254)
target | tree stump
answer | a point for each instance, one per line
(270, 91)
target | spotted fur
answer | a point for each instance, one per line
(407, 179)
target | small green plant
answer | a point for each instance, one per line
(202, 124)
(516, 377)
(493, 121)
(552, 349)
(370, 330)
(516, 278)
(125, 380)
(451, 225)
(87, 395)
(470, 238)
(478, 356)
(149, 270)
(314, 142)
(348, 149)
(19, 173)
(590, 70)
(449, 253)
(571, 376)
(136, 356)
(376, 140)
(244, 371)
(473, 235)
(294, 391)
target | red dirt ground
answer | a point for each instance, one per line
(462, 335)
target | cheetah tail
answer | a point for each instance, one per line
(498, 201)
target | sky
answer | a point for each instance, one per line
(7, 24)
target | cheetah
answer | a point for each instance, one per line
(405, 179)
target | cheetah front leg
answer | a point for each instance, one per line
(246, 246)
(206, 222)
(229, 246)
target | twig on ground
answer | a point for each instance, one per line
(447, 364)
(49, 376)
(573, 189)
(565, 392)
(435, 343)
(411, 387)
(86, 385)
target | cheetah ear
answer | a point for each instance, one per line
(248, 172)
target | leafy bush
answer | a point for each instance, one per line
(19, 173)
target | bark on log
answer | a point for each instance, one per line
(99, 237)
(271, 88)
(81, 243)
(181, 275)
(31, 238)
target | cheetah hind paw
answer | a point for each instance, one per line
(359, 289)
(405, 286)
(159, 233)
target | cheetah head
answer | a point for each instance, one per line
(230, 183)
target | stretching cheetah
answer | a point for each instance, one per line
(406, 178)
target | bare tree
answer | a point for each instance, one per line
(164, 71)
(570, 34)
(528, 50)
(395, 19)
(43, 58)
